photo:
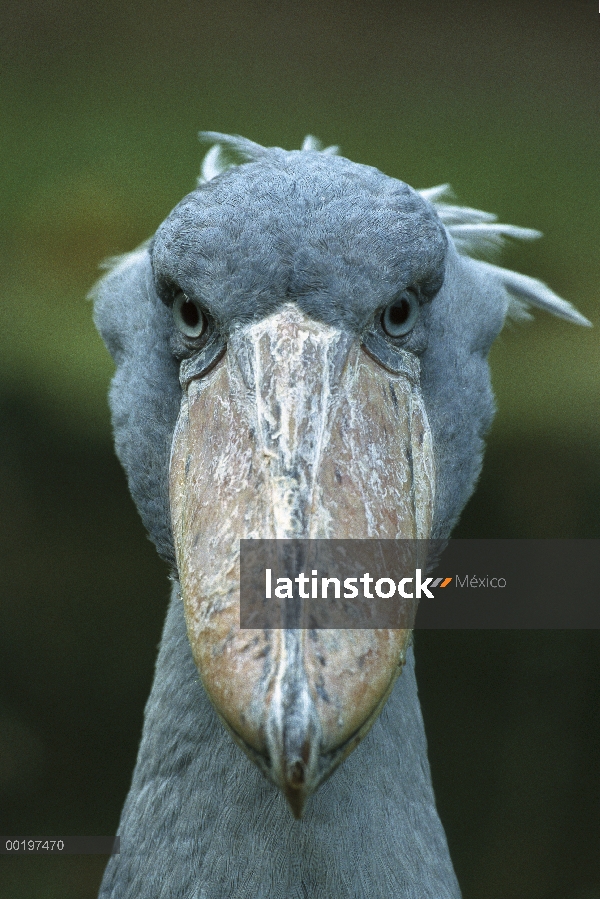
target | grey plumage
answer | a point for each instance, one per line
(339, 240)
(201, 821)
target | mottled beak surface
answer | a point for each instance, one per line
(295, 432)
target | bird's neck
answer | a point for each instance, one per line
(201, 821)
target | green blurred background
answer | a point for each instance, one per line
(100, 105)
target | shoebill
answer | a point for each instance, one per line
(300, 352)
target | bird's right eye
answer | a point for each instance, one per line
(188, 315)
(400, 316)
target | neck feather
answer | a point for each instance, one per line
(201, 822)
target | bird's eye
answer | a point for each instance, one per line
(188, 315)
(400, 317)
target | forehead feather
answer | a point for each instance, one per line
(294, 217)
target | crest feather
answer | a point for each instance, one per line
(213, 164)
(477, 233)
(473, 231)
(313, 143)
(215, 161)
(526, 291)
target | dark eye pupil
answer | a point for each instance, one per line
(190, 314)
(399, 312)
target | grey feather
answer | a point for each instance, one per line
(437, 194)
(200, 817)
(213, 164)
(145, 392)
(245, 148)
(530, 291)
(312, 143)
(482, 238)
(460, 215)
(474, 232)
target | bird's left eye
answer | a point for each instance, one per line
(188, 315)
(401, 315)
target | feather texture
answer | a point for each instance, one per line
(531, 292)
(474, 232)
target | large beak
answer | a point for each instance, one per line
(296, 432)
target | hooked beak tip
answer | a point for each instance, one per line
(296, 790)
